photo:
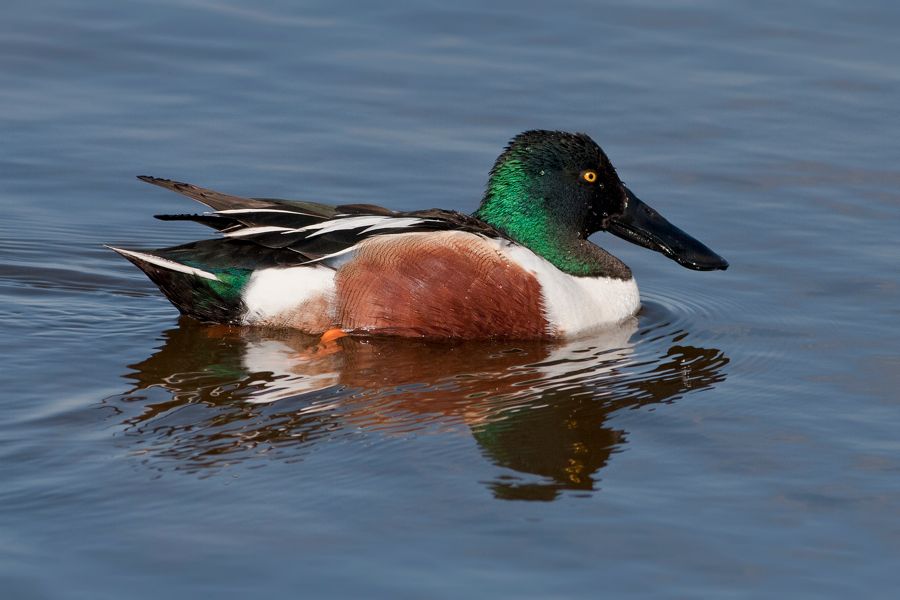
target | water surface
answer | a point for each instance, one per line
(738, 439)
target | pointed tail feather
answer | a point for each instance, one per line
(195, 292)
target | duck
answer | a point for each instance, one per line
(520, 267)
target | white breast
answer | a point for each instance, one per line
(575, 305)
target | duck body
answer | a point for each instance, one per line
(433, 273)
(365, 269)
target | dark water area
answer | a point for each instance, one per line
(738, 439)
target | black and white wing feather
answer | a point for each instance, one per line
(314, 232)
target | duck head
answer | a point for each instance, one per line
(550, 190)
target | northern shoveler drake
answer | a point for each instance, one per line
(520, 267)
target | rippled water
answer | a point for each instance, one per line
(739, 438)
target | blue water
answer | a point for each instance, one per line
(739, 440)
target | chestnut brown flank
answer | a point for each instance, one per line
(446, 284)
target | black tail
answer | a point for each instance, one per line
(203, 295)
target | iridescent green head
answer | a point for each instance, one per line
(550, 190)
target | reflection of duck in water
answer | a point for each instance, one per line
(565, 440)
(213, 395)
(520, 267)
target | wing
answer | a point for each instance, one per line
(314, 232)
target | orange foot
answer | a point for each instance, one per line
(331, 335)
(325, 347)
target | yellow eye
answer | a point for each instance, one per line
(590, 176)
